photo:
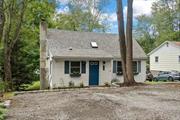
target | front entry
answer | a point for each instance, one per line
(93, 73)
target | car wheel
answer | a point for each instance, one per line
(170, 79)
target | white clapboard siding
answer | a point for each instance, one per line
(168, 54)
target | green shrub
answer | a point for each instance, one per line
(2, 86)
(106, 84)
(33, 86)
(115, 80)
(71, 84)
(81, 85)
(2, 111)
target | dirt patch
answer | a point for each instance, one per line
(156, 102)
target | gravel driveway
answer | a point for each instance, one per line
(151, 102)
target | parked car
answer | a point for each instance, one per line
(171, 76)
(149, 76)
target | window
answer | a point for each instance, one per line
(94, 45)
(83, 67)
(75, 67)
(179, 58)
(156, 59)
(119, 66)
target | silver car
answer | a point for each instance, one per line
(163, 75)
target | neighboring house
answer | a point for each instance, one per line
(88, 58)
(165, 57)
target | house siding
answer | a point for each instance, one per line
(168, 58)
(60, 79)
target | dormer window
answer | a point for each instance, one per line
(94, 45)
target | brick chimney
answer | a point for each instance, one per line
(43, 41)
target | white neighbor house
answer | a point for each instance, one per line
(88, 58)
(165, 57)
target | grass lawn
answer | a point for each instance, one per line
(154, 82)
(34, 86)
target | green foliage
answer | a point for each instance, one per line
(106, 84)
(2, 86)
(161, 26)
(81, 18)
(2, 113)
(81, 85)
(71, 84)
(25, 55)
(34, 86)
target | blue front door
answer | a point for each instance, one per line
(93, 73)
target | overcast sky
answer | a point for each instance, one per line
(139, 7)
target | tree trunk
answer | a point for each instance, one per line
(1, 19)
(7, 69)
(129, 55)
(122, 42)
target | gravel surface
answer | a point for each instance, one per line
(151, 102)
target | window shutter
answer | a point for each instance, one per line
(66, 67)
(114, 66)
(139, 66)
(83, 67)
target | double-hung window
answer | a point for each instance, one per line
(75, 67)
(117, 67)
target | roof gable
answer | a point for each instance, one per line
(174, 43)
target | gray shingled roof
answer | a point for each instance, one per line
(59, 42)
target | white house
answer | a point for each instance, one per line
(87, 58)
(165, 57)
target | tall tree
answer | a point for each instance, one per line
(83, 15)
(126, 42)
(13, 15)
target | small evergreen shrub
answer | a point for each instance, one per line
(71, 84)
(106, 84)
(81, 85)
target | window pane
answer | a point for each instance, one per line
(134, 66)
(156, 59)
(75, 67)
(66, 67)
(83, 67)
(119, 66)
